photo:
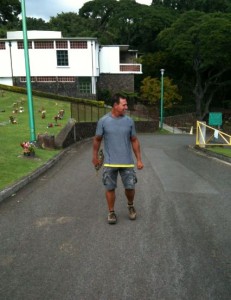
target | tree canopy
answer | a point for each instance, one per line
(191, 40)
(72, 25)
(9, 10)
(201, 42)
(151, 88)
(207, 6)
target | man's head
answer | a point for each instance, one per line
(119, 104)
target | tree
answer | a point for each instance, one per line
(34, 24)
(9, 10)
(151, 89)
(149, 23)
(101, 13)
(201, 5)
(72, 25)
(113, 19)
(201, 43)
(210, 6)
(127, 22)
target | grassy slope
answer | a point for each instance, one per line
(221, 150)
(13, 164)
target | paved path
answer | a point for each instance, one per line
(55, 243)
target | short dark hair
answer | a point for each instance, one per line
(116, 98)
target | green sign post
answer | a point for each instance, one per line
(162, 98)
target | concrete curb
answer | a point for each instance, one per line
(210, 153)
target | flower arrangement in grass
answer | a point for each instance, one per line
(28, 148)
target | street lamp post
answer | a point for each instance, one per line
(28, 80)
(162, 98)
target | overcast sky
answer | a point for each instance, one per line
(50, 8)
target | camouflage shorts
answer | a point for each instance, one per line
(128, 177)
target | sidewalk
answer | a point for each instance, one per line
(174, 130)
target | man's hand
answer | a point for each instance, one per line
(95, 162)
(140, 165)
(136, 150)
(98, 156)
(98, 161)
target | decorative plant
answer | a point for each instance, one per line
(28, 148)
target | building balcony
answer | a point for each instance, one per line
(131, 68)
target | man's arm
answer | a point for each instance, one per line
(96, 146)
(136, 149)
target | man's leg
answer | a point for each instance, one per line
(129, 180)
(110, 196)
(110, 183)
(130, 194)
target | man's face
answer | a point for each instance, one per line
(121, 107)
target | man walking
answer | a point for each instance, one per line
(119, 135)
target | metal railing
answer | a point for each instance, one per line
(209, 136)
(88, 113)
(131, 68)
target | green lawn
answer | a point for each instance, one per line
(13, 164)
(221, 150)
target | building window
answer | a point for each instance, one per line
(78, 44)
(61, 45)
(21, 45)
(2, 46)
(46, 79)
(49, 79)
(66, 79)
(43, 45)
(62, 58)
(23, 79)
(85, 85)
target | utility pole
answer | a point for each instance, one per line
(162, 99)
(28, 80)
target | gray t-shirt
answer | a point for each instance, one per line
(117, 133)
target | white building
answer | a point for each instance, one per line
(77, 67)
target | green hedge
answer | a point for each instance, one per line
(52, 96)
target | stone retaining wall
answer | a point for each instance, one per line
(116, 83)
(81, 131)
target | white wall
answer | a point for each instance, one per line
(88, 62)
(109, 59)
(43, 62)
(5, 62)
(34, 34)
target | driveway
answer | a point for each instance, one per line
(55, 243)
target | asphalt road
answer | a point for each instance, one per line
(55, 243)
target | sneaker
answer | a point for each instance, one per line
(112, 219)
(131, 212)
